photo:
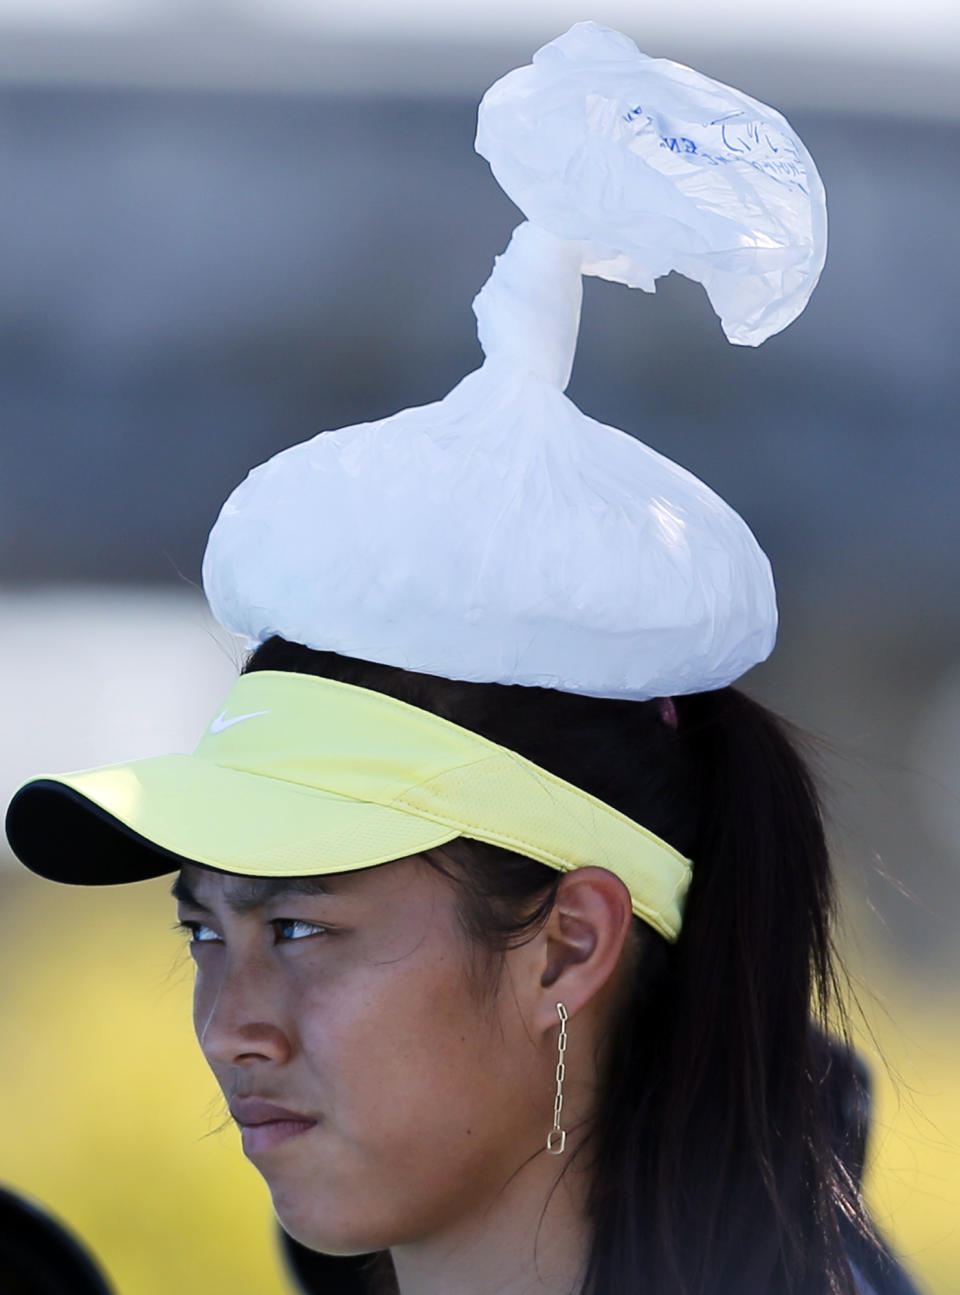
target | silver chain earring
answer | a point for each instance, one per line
(557, 1137)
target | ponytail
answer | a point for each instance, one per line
(727, 1151)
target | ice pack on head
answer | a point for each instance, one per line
(500, 534)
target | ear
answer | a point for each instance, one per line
(582, 940)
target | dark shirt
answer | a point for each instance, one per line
(325, 1275)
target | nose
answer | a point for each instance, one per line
(238, 1014)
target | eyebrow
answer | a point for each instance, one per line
(244, 894)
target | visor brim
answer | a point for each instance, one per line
(129, 822)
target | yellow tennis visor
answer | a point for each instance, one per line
(300, 776)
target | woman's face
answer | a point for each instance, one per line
(352, 1007)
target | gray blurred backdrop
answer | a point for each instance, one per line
(216, 240)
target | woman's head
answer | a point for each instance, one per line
(410, 1005)
(698, 1066)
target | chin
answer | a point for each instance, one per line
(331, 1231)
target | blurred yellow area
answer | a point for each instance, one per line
(913, 1167)
(111, 1120)
(110, 1115)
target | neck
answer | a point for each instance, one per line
(532, 1238)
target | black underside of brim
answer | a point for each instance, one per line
(63, 836)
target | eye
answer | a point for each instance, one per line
(199, 933)
(292, 928)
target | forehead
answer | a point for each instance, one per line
(202, 886)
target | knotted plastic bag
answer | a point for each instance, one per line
(501, 534)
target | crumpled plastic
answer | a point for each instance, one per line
(496, 535)
(658, 168)
(500, 534)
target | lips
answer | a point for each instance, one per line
(264, 1126)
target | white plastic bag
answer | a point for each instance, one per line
(500, 534)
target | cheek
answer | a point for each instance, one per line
(426, 1105)
(202, 999)
(401, 1043)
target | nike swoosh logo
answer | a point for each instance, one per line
(221, 722)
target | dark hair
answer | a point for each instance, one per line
(713, 1170)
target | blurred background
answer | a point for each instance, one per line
(228, 225)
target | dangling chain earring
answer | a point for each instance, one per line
(557, 1137)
